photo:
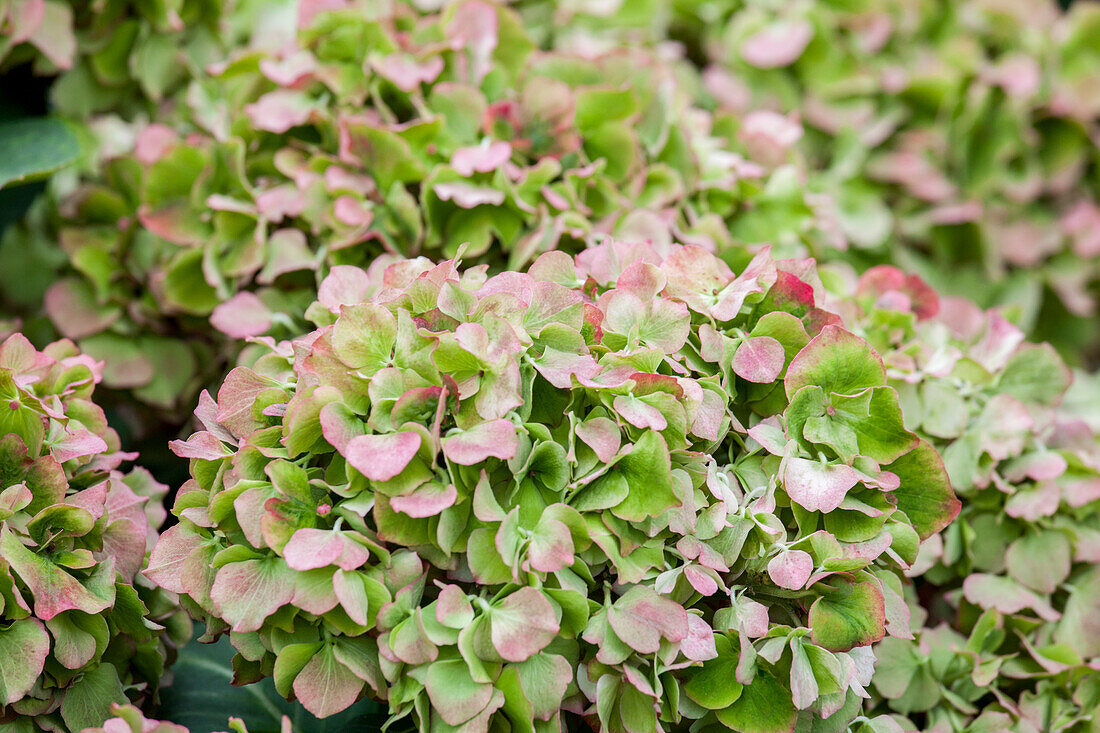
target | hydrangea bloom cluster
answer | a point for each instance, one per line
(961, 136)
(119, 56)
(943, 132)
(625, 458)
(629, 486)
(79, 624)
(1010, 590)
(398, 133)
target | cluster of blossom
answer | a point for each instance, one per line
(117, 56)
(628, 486)
(959, 138)
(578, 433)
(80, 628)
(1005, 599)
(110, 64)
(965, 135)
(370, 132)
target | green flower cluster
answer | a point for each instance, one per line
(1004, 600)
(544, 412)
(379, 134)
(80, 628)
(113, 56)
(958, 139)
(629, 486)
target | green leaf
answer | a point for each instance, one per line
(23, 421)
(1040, 560)
(245, 593)
(543, 678)
(617, 145)
(155, 64)
(765, 706)
(53, 589)
(784, 328)
(74, 646)
(185, 285)
(903, 678)
(289, 662)
(171, 178)
(880, 432)
(636, 711)
(454, 693)
(897, 663)
(648, 474)
(925, 493)
(864, 218)
(849, 615)
(31, 149)
(364, 337)
(837, 361)
(128, 365)
(596, 107)
(804, 687)
(1036, 373)
(714, 686)
(386, 154)
(109, 62)
(946, 413)
(202, 698)
(174, 366)
(326, 685)
(1078, 627)
(605, 492)
(88, 703)
(23, 649)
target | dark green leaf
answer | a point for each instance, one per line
(34, 148)
(925, 493)
(851, 615)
